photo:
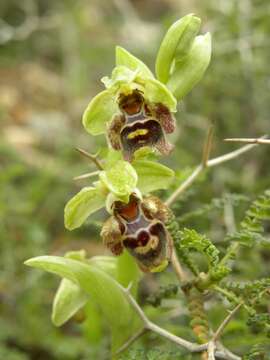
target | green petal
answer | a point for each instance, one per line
(123, 57)
(87, 201)
(121, 179)
(99, 111)
(103, 290)
(188, 73)
(156, 92)
(68, 299)
(177, 40)
(120, 75)
(152, 175)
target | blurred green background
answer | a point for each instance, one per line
(52, 56)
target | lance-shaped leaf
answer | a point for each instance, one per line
(99, 111)
(68, 299)
(105, 263)
(188, 73)
(156, 92)
(128, 271)
(177, 40)
(121, 179)
(152, 175)
(123, 57)
(83, 204)
(102, 288)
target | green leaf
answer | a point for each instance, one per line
(251, 228)
(83, 204)
(68, 300)
(102, 288)
(177, 41)
(190, 70)
(123, 57)
(128, 271)
(121, 179)
(190, 239)
(156, 92)
(152, 175)
(105, 263)
(99, 111)
(70, 297)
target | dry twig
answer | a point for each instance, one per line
(93, 158)
(148, 325)
(249, 141)
(207, 163)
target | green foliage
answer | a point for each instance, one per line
(190, 239)
(101, 287)
(177, 41)
(152, 175)
(190, 70)
(98, 112)
(124, 58)
(258, 352)
(251, 228)
(121, 180)
(40, 104)
(252, 292)
(164, 292)
(68, 299)
(87, 201)
(154, 354)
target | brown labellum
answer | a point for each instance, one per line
(140, 125)
(139, 227)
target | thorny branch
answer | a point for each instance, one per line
(93, 158)
(225, 322)
(206, 164)
(148, 325)
(87, 175)
(249, 141)
(213, 348)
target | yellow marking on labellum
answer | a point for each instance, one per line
(160, 267)
(137, 133)
(151, 245)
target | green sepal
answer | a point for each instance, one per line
(111, 158)
(121, 179)
(83, 204)
(176, 42)
(99, 111)
(152, 175)
(103, 290)
(189, 71)
(125, 58)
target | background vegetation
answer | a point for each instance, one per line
(52, 55)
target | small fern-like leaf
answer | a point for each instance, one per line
(251, 228)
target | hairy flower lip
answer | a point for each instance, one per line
(135, 227)
(141, 124)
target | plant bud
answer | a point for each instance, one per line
(176, 43)
(189, 71)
